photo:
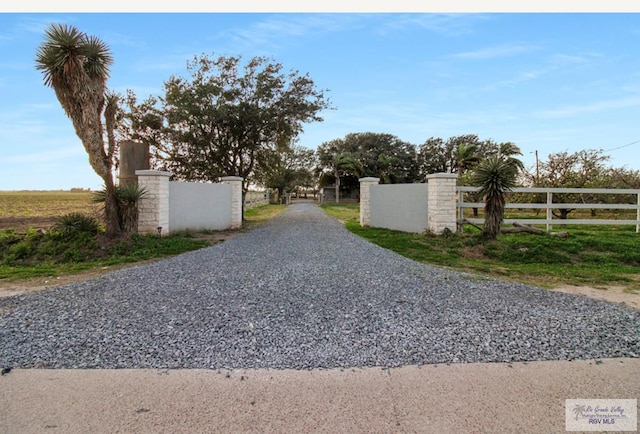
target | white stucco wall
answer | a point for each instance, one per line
(198, 206)
(401, 207)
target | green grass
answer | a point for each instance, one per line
(591, 256)
(44, 255)
(344, 212)
(259, 214)
(52, 254)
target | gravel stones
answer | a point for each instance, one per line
(302, 292)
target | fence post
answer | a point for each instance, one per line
(549, 211)
(638, 215)
(460, 197)
(365, 199)
(153, 208)
(441, 202)
(236, 199)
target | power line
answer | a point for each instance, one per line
(623, 146)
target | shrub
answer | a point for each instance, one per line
(75, 224)
(128, 196)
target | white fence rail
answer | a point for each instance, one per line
(549, 206)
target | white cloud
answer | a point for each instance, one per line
(441, 23)
(282, 27)
(499, 51)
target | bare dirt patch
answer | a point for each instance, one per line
(614, 294)
(21, 224)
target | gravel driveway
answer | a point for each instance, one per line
(302, 292)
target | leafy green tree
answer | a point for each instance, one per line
(379, 155)
(457, 155)
(228, 118)
(335, 163)
(288, 171)
(384, 156)
(495, 177)
(582, 169)
(76, 66)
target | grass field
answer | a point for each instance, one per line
(27, 253)
(597, 256)
(20, 210)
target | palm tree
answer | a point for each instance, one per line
(465, 158)
(76, 66)
(345, 164)
(495, 177)
(507, 151)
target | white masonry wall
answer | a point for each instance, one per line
(153, 208)
(174, 206)
(442, 202)
(414, 207)
(199, 206)
(236, 200)
(365, 199)
(402, 207)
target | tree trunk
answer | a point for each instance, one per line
(111, 211)
(337, 188)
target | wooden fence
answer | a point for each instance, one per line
(549, 205)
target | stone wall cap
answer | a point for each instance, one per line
(369, 179)
(232, 178)
(442, 175)
(147, 172)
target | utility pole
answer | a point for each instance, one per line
(537, 167)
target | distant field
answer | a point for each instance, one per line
(20, 210)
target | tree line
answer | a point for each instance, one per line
(244, 118)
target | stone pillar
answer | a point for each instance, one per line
(441, 202)
(365, 199)
(236, 200)
(153, 209)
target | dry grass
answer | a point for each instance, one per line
(20, 210)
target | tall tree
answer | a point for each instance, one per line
(377, 154)
(76, 66)
(287, 171)
(465, 157)
(457, 155)
(582, 169)
(227, 118)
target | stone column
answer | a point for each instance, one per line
(441, 202)
(236, 200)
(365, 199)
(153, 209)
(133, 156)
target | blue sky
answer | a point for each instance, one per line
(549, 82)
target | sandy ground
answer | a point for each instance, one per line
(614, 294)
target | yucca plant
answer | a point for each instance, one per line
(495, 177)
(128, 196)
(73, 224)
(76, 66)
